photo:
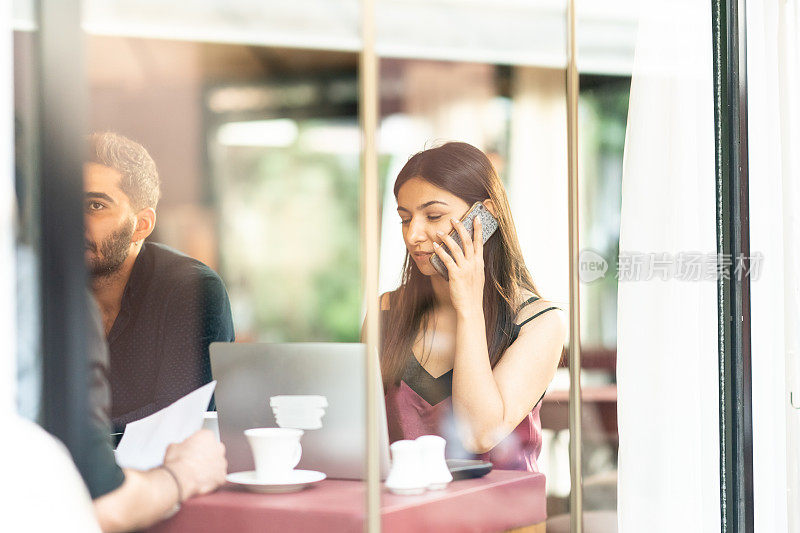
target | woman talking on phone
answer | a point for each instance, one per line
(466, 354)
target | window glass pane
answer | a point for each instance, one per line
(257, 149)
(250, 112)
(603, 115)
(514, 118)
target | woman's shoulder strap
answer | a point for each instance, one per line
(537, 314)
(526, 302)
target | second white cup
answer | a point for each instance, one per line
(298, 411)
(211, 422)
(276, 451)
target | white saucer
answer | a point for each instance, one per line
(295, 481)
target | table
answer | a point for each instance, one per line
(500, 501)
(599, 412)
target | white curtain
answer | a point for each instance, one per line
(773, 72)
(667, 328)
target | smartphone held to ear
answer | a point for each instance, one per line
(488, 224)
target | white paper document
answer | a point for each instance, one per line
(145, 441)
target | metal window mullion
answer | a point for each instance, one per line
(730, 114)
(368, 115)
(62, 100)
(575, 444)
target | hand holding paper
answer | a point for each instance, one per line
(145, 441)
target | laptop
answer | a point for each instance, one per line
(249, 374)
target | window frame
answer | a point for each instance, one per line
(62, 114)
(729, 33)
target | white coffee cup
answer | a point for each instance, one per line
(276, 451)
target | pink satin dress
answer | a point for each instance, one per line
(421, 404)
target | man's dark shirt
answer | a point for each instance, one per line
(173, 307)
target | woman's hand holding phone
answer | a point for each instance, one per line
(465, 267)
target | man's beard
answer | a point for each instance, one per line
(111, 253)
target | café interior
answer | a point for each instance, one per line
(631, 140)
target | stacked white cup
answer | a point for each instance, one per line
(298, 411)
(418, 465)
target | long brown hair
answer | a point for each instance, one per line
(466, 172)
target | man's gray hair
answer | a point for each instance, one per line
(140, 179)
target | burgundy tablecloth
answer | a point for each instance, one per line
(502, 500)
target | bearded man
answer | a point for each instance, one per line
(160, 308)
